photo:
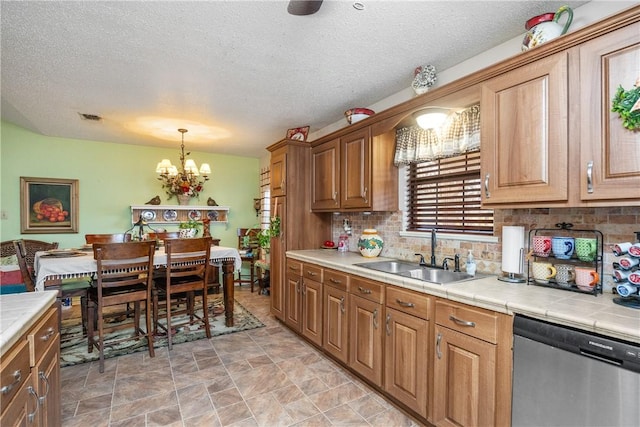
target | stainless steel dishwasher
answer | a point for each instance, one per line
(568, 377)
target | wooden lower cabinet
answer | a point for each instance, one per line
(293, 296)
(365, 338)
(312, 310)
(336, 327)
(406, 359)
(48, 374)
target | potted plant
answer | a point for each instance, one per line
(264, 241)
(189, 229)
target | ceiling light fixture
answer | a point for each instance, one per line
(431, 117)
(184, 181)
(358, 5)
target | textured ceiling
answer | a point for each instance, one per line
(242, 71)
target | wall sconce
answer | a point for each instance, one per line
(256, 206)
(431, 117)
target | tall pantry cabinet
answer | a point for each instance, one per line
(299, 227)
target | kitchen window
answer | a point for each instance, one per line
(445, 194)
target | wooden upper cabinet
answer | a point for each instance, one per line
(609, 153)
(355, 167)
(525, 134)
(355, 173)
(278, 172)
(325, 176)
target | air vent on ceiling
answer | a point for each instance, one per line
(92, 117)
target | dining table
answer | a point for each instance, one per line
(51, 267)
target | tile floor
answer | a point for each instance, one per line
(263, 377)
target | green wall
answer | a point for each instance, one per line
(112, 177)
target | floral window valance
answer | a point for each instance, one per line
(459, 134)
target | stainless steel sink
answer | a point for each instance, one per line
(435, 275)
(413, 270)
(389, 266)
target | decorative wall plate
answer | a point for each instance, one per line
(212, 215)
(195, 214)
(148, 215)
(170, 215)
(299, 134)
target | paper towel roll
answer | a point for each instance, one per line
(512, 248)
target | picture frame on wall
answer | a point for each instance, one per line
(299, 134)
(48, 205)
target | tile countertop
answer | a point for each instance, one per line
(18, 312)
(597, 314)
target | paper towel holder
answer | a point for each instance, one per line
(512, 240)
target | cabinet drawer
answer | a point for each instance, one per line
(413, 303)
(42, 334)
(294, 267)
(336, 279)
(312, 272)
(373, 291)
(474, 321)
(14, 372)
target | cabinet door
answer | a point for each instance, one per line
(312, 311)
(335, 340)
(464, 380)
(278, 174)
(23, 409)
(325, 176)
(293, 301)
(610, 154)
(365, 338)
(524, 134)
(406, 359)
(355, 170)
(277, 256)
(48, 380)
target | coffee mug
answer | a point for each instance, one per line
(562, 247)
(620, 275)
(586, 278)
(635, 278)
(543, 271)
(586, 248)
(621, 248)
(542, 246)
(627, 263)
(625, 289)
(634, 250)
(565, 274)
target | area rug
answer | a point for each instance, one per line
(74, 344)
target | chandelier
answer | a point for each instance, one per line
(185, 181)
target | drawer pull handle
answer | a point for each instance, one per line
(342, 305)
(387, 325)
(375, 318)
(405, 304)
(32, 416)
(438, 352)
(311, 273)
(590, 177)
(17, 377)
(50, 332)
(293, 268)
(462, 322)
(332, 280)
(44, 379)
(363, 290)
(487, 193)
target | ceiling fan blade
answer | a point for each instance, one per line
(303, 7)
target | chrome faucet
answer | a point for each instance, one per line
(456, 262)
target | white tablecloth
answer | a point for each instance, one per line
(85, 265)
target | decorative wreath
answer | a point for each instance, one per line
(627, 104)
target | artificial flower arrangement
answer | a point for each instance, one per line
(177, 186)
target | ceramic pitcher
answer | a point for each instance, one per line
(545, 27)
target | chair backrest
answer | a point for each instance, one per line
(161, 235)
(187, 257)
(27, 273)
(248, 238)
(30, 248)
(107, 238)
(124, 264)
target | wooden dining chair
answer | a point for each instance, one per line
(161, 235)
(248, 247)
(186, 276)
(107, 238)
(124, 276)
(65, 288)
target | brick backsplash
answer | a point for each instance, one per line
(617, 224)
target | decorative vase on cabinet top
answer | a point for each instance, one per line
(183, 199)
(545, 27)
(370, 243)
